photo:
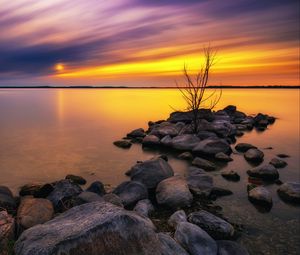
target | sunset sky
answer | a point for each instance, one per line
(147, 42)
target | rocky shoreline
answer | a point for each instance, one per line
(156, 211)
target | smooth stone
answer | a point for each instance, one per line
(243, 147)
(123, 144)
(199, 182)
(165, 128)
(254, 155)
(278, 163)
(185, 142)
(290, 192)
(176, 217)
(87, 197)
(265, 172)
(186, 156)
(113, 199)
(144, 207)
(211, 147)
(36, 189)
(33, 211)
(194, 239)
(230, 175)
(221, 156)
(174, 192)
(204, 164)
(170, 246)
(226, 247)
(7, 231)
(222, 128)
(131, 192)
(216, 227)
(97, 187)
(261, 196)
(150, 141)
(76, 179)
(93, 228)
(206, 134)
(136, 133)
(151, 172)
(166, 141)
(7, 200)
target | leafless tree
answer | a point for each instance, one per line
(194, 88)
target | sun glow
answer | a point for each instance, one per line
(59, 67)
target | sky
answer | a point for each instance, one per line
(147, 42)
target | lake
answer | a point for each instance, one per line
(46, 134)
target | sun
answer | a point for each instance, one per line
(59, 67)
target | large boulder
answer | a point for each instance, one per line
(144, 207)
(254, 155)
(92, 228)
(164, 129)
(33, 211)
(170, 246)
(7, 231)
(261, 196)
(222, 128)
(184, 142)
(216, 227)
(7, 200)
(174, 192)
(226, 247)
(266, 172)
(199, 182)
(290, 192)
(243, 147)
(194, 239)
(151, 172)
(212, 146)
(131, 192)
(204, 164)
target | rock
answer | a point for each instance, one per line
(199, 182)
(174, 192)
(281, 155)
(36, 189)
(222, 128)
(7, 231)
(187, 117)
(266, 172)
(243, 147)
(170, 246)
(206, 134)
(97, 187)
(150, 141)
(230, 109)
(195, 240)
(186, 156)
(63, 190)
(278, 163)
(219, 192)
(113, 199)
(137, 133)
(204, 164)
(166, 141)
(92, 228)
(7, 200)
(226, 247)
(216, 227)
(151, 172)
(131, 192)
(76, 179)
(144, 207)
(254, 155)
(239, 133)
(261, 196)
(87, 197)
(165, 129)
(290, 192)
(222, 115)
(123, 144)
(211, 147)
(33, 211)
(230, 175)
(176, 217)
(184, 142)
(221, 156)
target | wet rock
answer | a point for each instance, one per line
(36, 189)
(173, 192)
(199, 182)
(166, 141)
(187, 117)
(211, 147)
(290, 192)
(230, 175)
(222, 128)
(254, 155)
(221, 156)
(131, 192)
(136, 133)
(151, 141)
(164, 129)
(194, 239)
(186, 156)
(222, 115)
(113, 199)
(176, 217)
(204, 164)
(33, 211)
(281, 155)
(219, 192)
(123, 144)
(261, 196)
(151, 172)
(76, 179)
(170, 246)
(206, 134)
(216, 227)
(226, 247)
(87, 197)
(184, 142)
(243, 147)
(278, 163)
(144, 207)
(7, 200)
(97, 187)
(266, 172)
(92, 228)
(7, 232)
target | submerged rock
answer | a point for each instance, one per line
(230, 175)
(76, 179)
(204, 164)
(170, 246)
(278, 163)
(144, 207)
(212, 146)
(266, 172)
(97, 187)
(176, 217)
(254, 155)
(261, 196)
(290, 192)
(123, 144)
(226, 247)
(243, 147)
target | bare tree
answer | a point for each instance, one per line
(194, 89)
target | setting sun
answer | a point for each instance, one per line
(59, 67)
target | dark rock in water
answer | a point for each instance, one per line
(211, 147)
(131, 192)
(281, 155)
(123, 144)
(204, 164)
(166, 141)
(290, 192)
(88, 197)
(173, 192)
(113, 199)
(226, 247)
(76, 179)
(151, 141)
(136, 133)
(220, 192)
(239, 133)
(199, 182)
(63, 190)
(176, 217)
(206, 134)
(186, 156)
(278, 163)
(230, 109)
(221, 156)
(144, 207)
(151, 172)
(243, 147)
(261, 196)
(165, 128)
(222, 115)
(194, 239)
(216, 227)
(222, 128)
(230, 175)
(137, 140)
(184, 142)
(7, 232)
(254, 155)
(92, 228)
(36, 189)
(97, 187)
(266, 172)
(7, 200)
(170, 246)
(187, 117)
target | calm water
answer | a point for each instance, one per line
(48, 133)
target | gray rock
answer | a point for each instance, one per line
(204, 164)
(97, 187)
(290, 192)
(150, 141)
(176, 217)
(151, 172)
(123, 144)
(221, 156)
(194, 239)
(164, 129)
(113, 199)
(170, 246)
(166, 141)
(87, 197)
(216, 227)
(199, 182)
(92, 228)
(278, 163)
(243, 147)
(144, 207)
(186, 156)
(226, 247)
(206, 134)
(136, 133)
(222, 128)
(230, 175)
(7, 200)
(212, 146)
(265, 172)
(185, 142)
(76, 179)
(174, 192)
(260, 195)
(187, 117)
(131, 192)
(254, 155)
